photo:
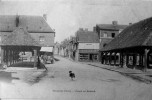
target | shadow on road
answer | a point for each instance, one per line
(7, 77)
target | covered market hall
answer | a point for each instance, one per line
(132, 48)
(18, 41)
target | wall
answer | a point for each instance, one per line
(3, 35)
(109, 32)
(49, 38)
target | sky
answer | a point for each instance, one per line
(67, 16)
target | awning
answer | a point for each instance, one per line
(46, 49)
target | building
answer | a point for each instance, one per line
(56, 48)
(17, 42)
(86, 46)
(107, 32)
(132, 48)
(36, 26)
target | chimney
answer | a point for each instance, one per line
(17, 21)
(94, 29)
(86, 29)
(45, 16)
(114, 22)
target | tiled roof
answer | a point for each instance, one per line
(19, 37)
(111, 26)
(31, 23)
(138, 34)
(87, 37)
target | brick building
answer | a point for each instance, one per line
(107, 32)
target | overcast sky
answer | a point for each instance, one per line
(66, 16)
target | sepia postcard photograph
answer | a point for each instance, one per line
(75, 49)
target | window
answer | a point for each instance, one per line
(112, 35)
(41, 38)
(83, 56)
(105, 34)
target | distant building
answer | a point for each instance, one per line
(56, 48)
(107, 32)
(36, 26)
(86, 46)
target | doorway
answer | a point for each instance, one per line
(91, 57)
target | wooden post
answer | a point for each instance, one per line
(145, 59)
(115, 56)
(141, 60)
(134, 59)
(106, 58)
(110, 58)
(35, 58)
(2, 55)
(127, 60)
(10, 57)
(102, 58)
(7, 53)
(121, 59)
(13, 56)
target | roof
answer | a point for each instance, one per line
(87, 37)
(111, 26)
(19, 37)
(138, 34)
(31, 23)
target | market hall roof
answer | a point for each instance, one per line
(135, 35)
(87, 37)
(35, 24)
(19, 37)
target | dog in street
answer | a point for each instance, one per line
(71, 75)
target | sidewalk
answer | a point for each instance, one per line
(133, 73)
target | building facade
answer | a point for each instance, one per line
(36, 26)
(86, 46)
(132, 48)
(107, 32)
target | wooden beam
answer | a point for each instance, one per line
(110, 58)
(106, 58)
(121, 59)
(127, 60)
(2, 55)
(115, 58)
(134, 59)
(102, 58)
